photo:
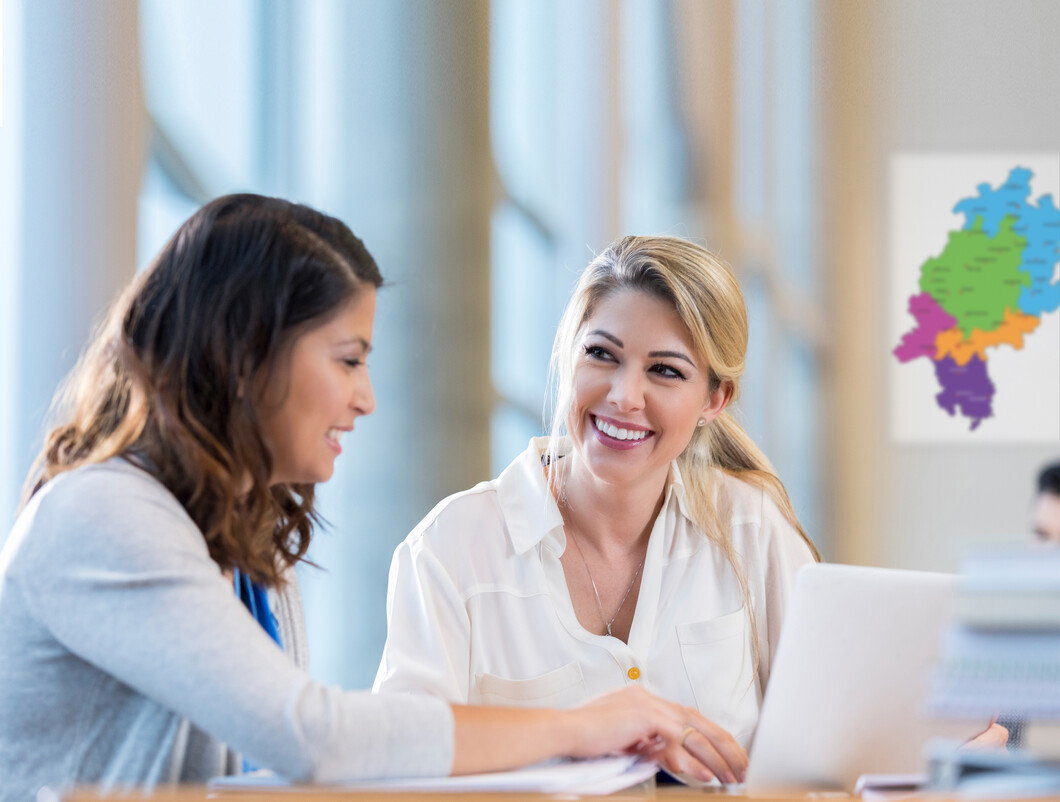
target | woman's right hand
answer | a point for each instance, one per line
(679, 738)
(631, 720)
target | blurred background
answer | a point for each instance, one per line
(485, 151)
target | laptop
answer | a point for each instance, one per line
(850, 677)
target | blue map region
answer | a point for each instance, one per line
(1038, 224)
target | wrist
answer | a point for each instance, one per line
(568, 734)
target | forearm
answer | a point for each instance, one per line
(500, 738)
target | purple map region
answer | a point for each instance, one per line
(931, 320)
(965, 386)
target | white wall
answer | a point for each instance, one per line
(935, 77)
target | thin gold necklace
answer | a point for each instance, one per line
(596, 593)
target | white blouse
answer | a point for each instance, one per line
(479, 612)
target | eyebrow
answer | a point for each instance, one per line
(653, 354)
(356, 341)
(671, 355)
(609, 336)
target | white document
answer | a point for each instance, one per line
(587, 777)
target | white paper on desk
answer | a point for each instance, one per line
(588, 777)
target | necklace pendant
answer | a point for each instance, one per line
(609, 629)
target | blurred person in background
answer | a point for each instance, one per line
(1047, 508)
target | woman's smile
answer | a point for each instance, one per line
(334, 435)
(618, 435)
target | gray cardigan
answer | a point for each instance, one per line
(126, 660)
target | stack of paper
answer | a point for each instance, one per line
(1003, 652)
(585, 777)
(992, 774)
(1002, 656)
(1011, 588)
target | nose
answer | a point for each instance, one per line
(627, 390)
(362, 402)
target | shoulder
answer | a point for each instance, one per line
(487, 512)
(757, 520)
(469, 518)
(463, 540)
(112, 510)
(742, 502)
(112, 486)
(489, 531)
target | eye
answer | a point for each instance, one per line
(353, 362)
(598, 352)
(667, 371)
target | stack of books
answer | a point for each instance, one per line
(1002, 653)
(1002, 657)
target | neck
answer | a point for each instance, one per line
(611, 518)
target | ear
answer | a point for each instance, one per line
(716, 402)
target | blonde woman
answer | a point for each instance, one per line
(647, 542)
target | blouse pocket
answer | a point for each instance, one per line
(562, 687)
(720, 666)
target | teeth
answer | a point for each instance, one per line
(619, 434)
(334, 434)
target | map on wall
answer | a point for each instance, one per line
(975, 291)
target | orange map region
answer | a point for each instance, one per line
(953, 344)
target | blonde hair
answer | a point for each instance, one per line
(708, 300)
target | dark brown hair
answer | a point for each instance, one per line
(169, 379)
(1049, 479)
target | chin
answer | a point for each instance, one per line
(611, 470)
(311, 477)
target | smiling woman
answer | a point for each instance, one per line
(187, 449)
(684, 541)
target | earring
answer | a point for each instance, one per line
(702, 422)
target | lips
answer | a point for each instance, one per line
(333, 436)
(620, 435)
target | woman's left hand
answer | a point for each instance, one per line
(679, 738)
(993, 737)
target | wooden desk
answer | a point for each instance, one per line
(648, 791)
(667, 793)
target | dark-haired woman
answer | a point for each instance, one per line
(150, 629)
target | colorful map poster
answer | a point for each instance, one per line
(974, 345)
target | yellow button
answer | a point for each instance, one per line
(633, 673)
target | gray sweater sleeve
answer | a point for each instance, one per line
(111, 565)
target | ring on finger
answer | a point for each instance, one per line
(686, 732)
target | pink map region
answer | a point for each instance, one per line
(931, 321)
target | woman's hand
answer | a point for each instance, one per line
(630, 720)
(679, 738)
(993, 737)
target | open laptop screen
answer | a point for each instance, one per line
(848, 685)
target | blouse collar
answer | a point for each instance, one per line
(532, 514)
